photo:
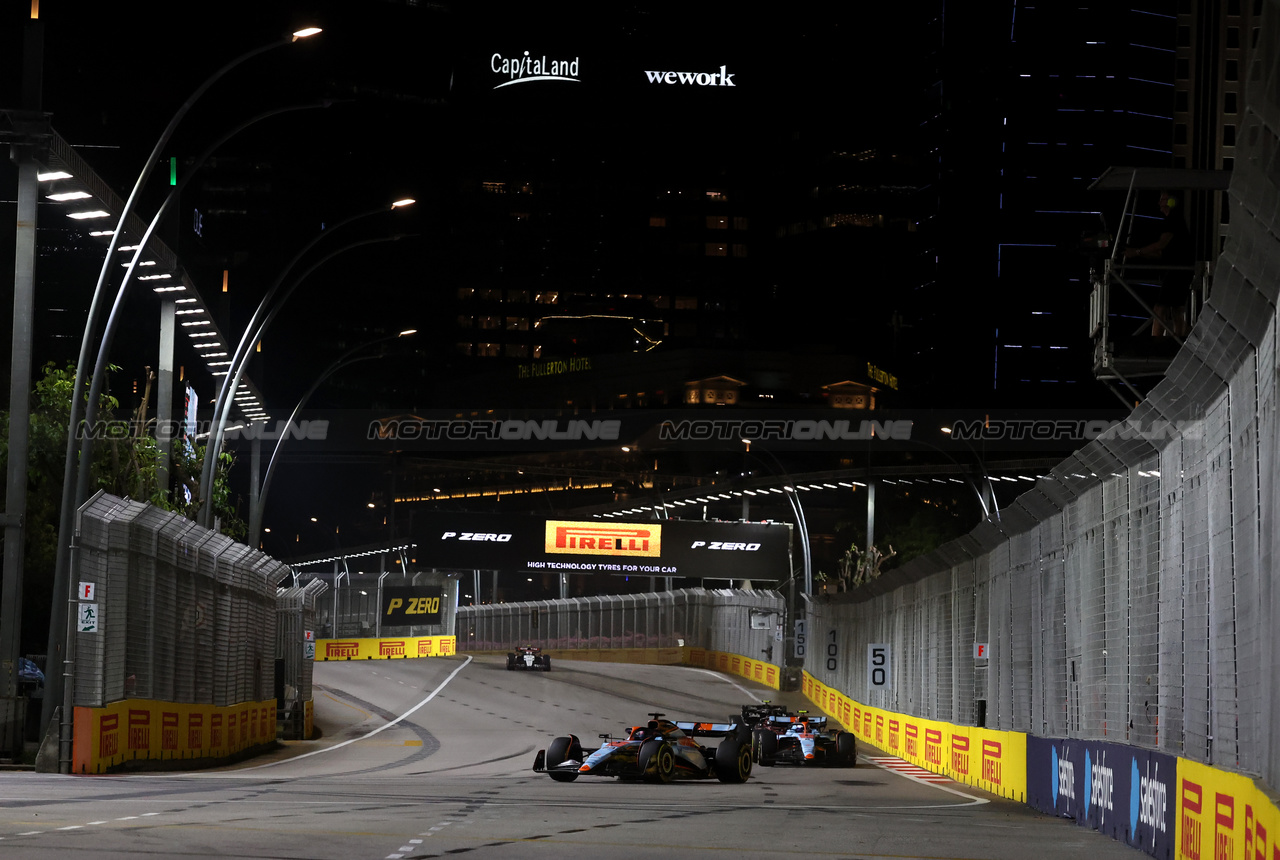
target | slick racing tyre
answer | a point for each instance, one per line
(846, 749)
(733, 761)
(657, 761)
(511, 662)
(546, 663)
(765, 747)
(561, 750)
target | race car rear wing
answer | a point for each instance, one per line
(708, 730)
(816, 723)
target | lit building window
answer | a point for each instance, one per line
(490, 350)
(657, 221)
(517, 295)
(549, 297)
(716, 194)
(494, 187)
(464, 348)
(466, 321)
(466, 292)
(686, 303)
(717, 222)
(490, 322)
(717, 249)
(517, 323)
(517, 350)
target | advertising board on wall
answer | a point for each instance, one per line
(685, 548)
(1126, 793)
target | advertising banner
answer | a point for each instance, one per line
(688, 548)
(735, 664)
(1223, 814)
(139, 729)
(1126, 793)
(387, 648)
(992, 760)
(403, 605)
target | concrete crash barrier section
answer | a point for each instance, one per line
(397, 648)
(730, 664)
(1166, 806)
(140, 732)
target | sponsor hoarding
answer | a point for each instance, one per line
(403, 605)
(687, 548)
(1121, 791)
(387, 648)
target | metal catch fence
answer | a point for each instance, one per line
(715, 619)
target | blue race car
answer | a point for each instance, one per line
(658, 751)
(780, 737)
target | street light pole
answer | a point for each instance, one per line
(98, 382)
(66, 518)
(345, 360)
(252, 333)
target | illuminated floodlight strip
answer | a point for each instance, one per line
(197, 322)
(142, 263)
(182, 301)
(52, 175)
(190, 311)
(155, 277)
(69, 195)
(89, 213)
(219, 363)
(213, 355)
(178, 289)
(102, 232)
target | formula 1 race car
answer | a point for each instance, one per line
(780, 737)
(528, 657)
(658, 751)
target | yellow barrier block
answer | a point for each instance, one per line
(991, 760)
(144, 729)
(397, 648)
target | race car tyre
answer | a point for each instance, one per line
(766, 747)
(511, 662)
(546, 664)
(846, 749)
(657, 753)
(733, 761)
(561, 750)
(743, 734)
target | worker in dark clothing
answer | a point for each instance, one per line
(1171, 247)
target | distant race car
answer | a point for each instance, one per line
(659, 751)
(780, 737)
(528, 657)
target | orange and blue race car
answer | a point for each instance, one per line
(658, 751)
(781, 737)
(528, 657)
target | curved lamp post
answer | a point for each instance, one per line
(98, 382)
(345, 360)
(790, 491)
(58, 619)
(252, 333)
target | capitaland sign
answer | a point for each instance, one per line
(586, 538)
(527, 69)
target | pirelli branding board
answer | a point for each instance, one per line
(597, 538)
(387, 648)
(675, 548)
(404, 605)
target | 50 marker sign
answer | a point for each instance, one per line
(879, 667)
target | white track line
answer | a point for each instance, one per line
(429, 697)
